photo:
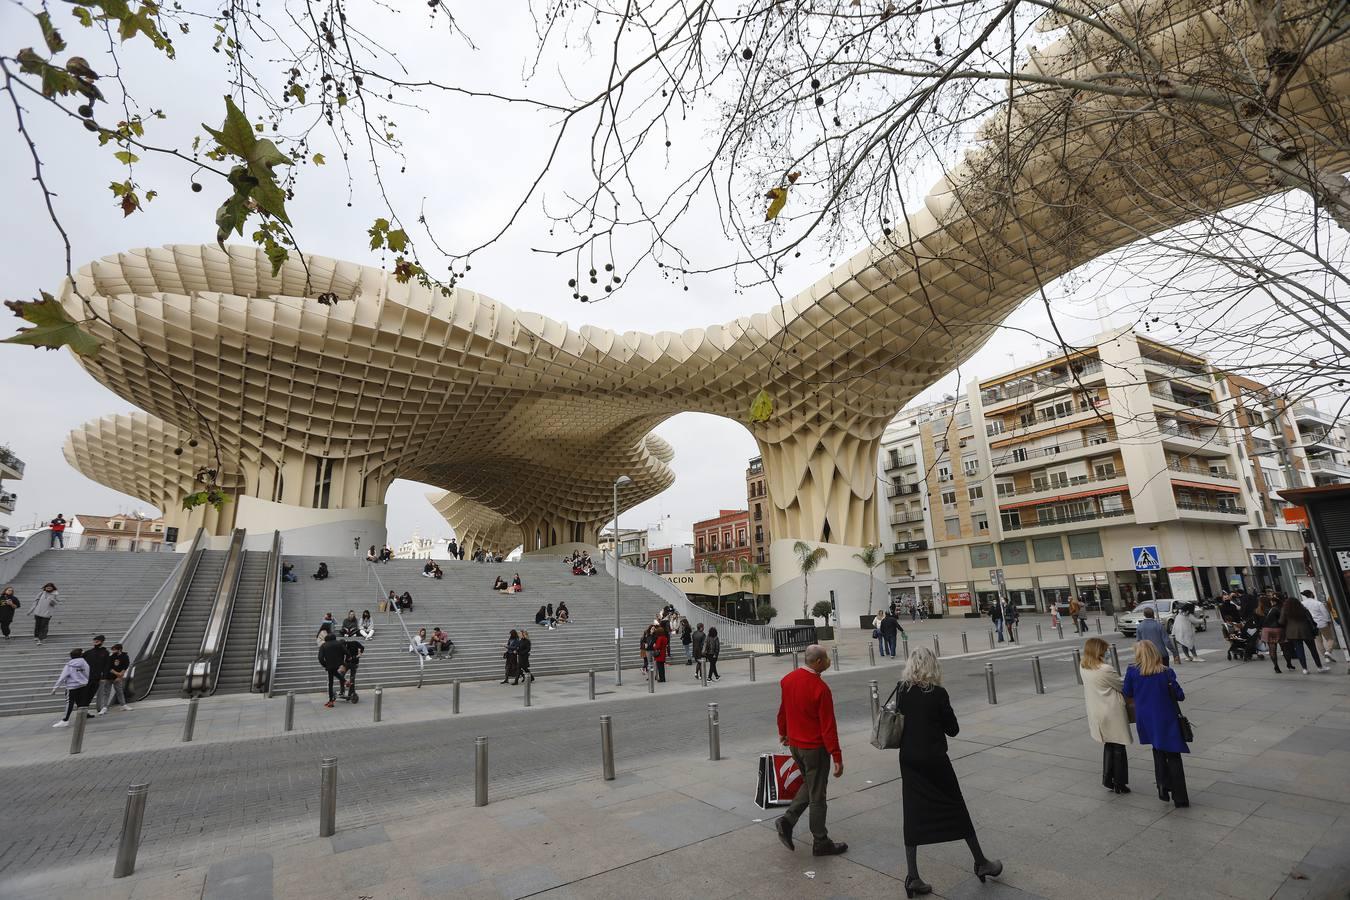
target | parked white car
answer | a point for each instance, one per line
(1166, 611)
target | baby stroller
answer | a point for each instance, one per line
(1241, 641)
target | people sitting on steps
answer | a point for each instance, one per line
(325, 628)
(288, 573)
(500, 586)
(437, 572)
(366, 628)
(420, 644)
(516, 584)
(441, 645)
(563, 614)
(349, 625)
(322, 573)
(405, 602)
(372, 555)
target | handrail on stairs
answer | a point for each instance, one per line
(269, 621)
(398, 613)
(204, 671)
(147, 653)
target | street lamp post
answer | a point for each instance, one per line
(618, 626)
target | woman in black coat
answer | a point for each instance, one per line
(935, 811)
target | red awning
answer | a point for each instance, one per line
(1206, 487)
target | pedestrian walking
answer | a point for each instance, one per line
(115, 679)
(1107, 713)
(1321, 616)
(712, 648)
(352, 650)
(331, 658)
(890, 626)
(58, 527)
(9, 602)
(687, 641)
(806, 726)
(1011, 617)
(74, 678)
(510, 653)
(1075, 608)
(934, 810)
(645, 646)
(1054, 615)
(1151, 630)
(1183, 634)
(876, 631)
(42, 610)
(97, 657)
(1156, 692)
(1272, 635)
(996, 616)
(523, 655)
(699, 638)
(1299, 632)
(660, 647)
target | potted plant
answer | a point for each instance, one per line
(808, 560)
(823, 610)
(871, 556)
(765, 613)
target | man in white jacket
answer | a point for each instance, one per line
(1321, 616)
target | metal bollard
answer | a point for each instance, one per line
(480, 771)
(752, 667)
(130, 842)
(190, 723)
(1039, 638)
(904, 646)
(1036, 674)
(965, 645)
(937, 647)
(77, 730)
(1059, 626)
(835, 654)
(379, 701)
(607, 747)
(591, 688)
(528, 682)
(1115, 658)
(991, 639)
(989, 682)
(328, 796)
(1078, 667)
(651, 679)
(1099, 624)
(796, 664)
(1115, 621)
(871, 654)
(454, 697)
(714, 734)
(289, 723)
(875, 698)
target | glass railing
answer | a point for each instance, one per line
(1040, 487)
(1065, 518)
(1213, 440)
(1033, 384)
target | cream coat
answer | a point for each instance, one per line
(1107, 719)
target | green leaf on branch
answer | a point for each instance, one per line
(50, 35)
(255, 183)
(56, 80)
(126, 156)
(298, 92)
(82, 16)
(231, 215)
(397, 240)
(318, 159)
(51, 327)
(378, 232)
(762, 408)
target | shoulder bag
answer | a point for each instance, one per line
(890, 724)
(1187, 732)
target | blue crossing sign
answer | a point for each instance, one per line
(1146, 559)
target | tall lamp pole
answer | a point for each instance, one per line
(618, 626)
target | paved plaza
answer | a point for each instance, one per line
(1269, 817)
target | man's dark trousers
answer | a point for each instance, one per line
(815, 767)
(333, 675)
(889, 649)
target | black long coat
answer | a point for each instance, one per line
(935, 811)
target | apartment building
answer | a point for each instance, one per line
(11, 467)
(757, 502)
(1048, 476)
(723, 538)
(1325, 444)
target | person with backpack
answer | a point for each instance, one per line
(44, 607)
(351, 658)
(332, 657)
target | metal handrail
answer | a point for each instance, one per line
(151, 653)
(204, 671)
(398, 614)
(265, 655)
(741, 634)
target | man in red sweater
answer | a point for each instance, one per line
(806, 727)
(662, 647)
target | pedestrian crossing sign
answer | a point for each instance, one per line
(1146, 559)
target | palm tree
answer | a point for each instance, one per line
(721, 571)
(751, 576)
(808, 560)
(871, 556)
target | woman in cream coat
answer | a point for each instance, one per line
(1108, 719)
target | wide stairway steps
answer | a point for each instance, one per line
(101, 592)
(477, 619)
(186, 640)
(241, 641)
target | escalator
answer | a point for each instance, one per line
(186, 637)
(241, 638)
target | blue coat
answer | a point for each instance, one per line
(1155, 715)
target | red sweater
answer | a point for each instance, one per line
(806, 713)
(661, 644)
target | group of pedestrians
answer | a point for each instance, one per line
(340, 658)
(42, 610)
(885, 627)
(516, 652)
(702, 648)
(1279, 625)
(1004, 616)
(96, 677)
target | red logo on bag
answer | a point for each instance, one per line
(788, 776)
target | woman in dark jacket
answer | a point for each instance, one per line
(523, 655)
(935, 811)
(1272, 634)
(1155, 691)
(712, 648)
(8, 603)
(510, 650)
(1299, 632)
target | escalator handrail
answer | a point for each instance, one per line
(204, 671)
(151, 653)
(269, 617)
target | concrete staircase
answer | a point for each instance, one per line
(186, 640)
(241, 640)
(477, 618)
(101, 593)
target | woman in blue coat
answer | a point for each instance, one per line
(1154, 689)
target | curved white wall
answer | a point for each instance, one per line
(310, 532)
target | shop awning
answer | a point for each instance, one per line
(1223, 489)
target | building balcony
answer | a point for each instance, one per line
(1315, 439)
(1070, 448)
(1043, 487)
(902, 490)
(1329, 466)
(1037, 387)
(897, 461)
(11, 466)
(1195, 377)
(1183, 403)
(1202, 509)
(8, 501)
(1052, 523)
(1313, 417)
(1190, 439)
(904, 518)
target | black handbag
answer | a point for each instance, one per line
(1183, 723)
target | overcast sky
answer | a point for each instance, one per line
(469, 162)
